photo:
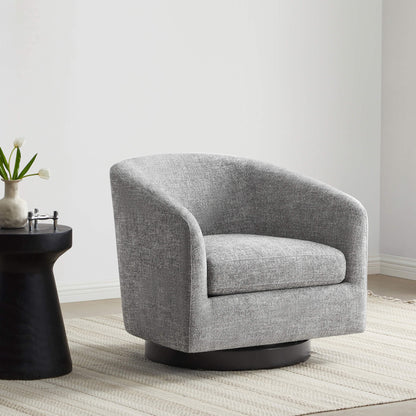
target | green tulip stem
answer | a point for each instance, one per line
(32, 174)
(11, 154)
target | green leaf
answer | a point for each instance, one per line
(27, 167)
(17, 164)
(1, 165)
(4, 160)
(3, 172)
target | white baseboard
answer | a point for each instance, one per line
(397, 266)
(389, 265)
(374, 265)
(95, 291)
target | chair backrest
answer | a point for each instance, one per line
(220, 191)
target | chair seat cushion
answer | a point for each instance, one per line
(240, 263)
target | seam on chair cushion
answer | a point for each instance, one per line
(267, 286)
(278, 257)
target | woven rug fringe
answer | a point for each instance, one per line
(371, 293)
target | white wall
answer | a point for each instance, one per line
(296, 83)
(398, 155)
(8, 81)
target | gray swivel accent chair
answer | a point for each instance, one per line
(229, 263)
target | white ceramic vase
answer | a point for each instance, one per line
(13, 209)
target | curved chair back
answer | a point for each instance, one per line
(220, 191)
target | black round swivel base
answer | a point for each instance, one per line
(252, 358)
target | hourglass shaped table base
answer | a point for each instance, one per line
(33, 341)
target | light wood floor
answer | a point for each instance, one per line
(379, 284)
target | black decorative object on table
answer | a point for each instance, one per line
(35, 217)
(33, 341)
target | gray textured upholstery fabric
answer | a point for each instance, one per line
(242, 263)
(163, 207)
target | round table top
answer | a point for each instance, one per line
(42, 239)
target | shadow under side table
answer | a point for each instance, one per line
(33, 341)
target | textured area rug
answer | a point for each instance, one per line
(111, 376)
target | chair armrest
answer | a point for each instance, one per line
(299, 207)
(161, 255)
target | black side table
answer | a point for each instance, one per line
(33, 342)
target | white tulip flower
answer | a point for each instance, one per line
(44, 173)
(18, 141)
